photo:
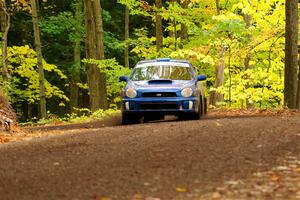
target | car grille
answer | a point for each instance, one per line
(159, 106)
(159, 94)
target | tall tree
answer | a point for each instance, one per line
(296, 30)
(173, 33)
(158, 26)
(219, 69)
(95, 50)
(74, 89)
(217, 2)
(38, 46)
(5, 26)
(291, 54)
(184, 29)
(126, 56)
(247, 19)
(219, 77)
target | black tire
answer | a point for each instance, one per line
(130, 119)
(194, 116)
(205, 106)
(201, 107)
(184, 117)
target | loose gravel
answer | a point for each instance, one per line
(185, 160)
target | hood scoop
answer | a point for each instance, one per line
(160, 81)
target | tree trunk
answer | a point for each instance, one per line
(291, 54)
(158, 26)
(298, 88)
(184, 29)
(247, 19)
(126, 56)
(216, 96)
(230, 78)
(217, 6)
(74, 89)
(95, 50)
(5, 26)
(219, 71)
(38, 46)
(172, 33)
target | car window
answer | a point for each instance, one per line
(172, 72)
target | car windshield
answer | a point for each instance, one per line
(155, 72)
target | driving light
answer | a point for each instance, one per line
(127, 105)
(131, 93)
(187, 92)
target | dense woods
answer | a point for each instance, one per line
(61, 57)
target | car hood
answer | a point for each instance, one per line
(163, 84)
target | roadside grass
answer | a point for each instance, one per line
(24, 132)
(81, 116)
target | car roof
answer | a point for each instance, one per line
(163, 60)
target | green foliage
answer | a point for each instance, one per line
(143, 45)
(262, 39)
(135, 7)
(228, 37)
(113, 71)
(22, 65)
(85, 117)
(89, 116)
(64, 23)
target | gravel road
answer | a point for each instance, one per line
(154, 161)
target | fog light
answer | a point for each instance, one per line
(185, 105)
(127, 105)
(132, 105)
(191, 104)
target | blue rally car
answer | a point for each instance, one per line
(162, 87)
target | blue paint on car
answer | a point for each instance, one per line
(162, 87)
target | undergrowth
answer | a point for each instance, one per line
(81, 116)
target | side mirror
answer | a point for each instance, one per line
(201, 78)
(123, 78)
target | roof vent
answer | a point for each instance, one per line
(163, 59)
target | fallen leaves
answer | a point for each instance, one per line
(105, 198)
(4, 139)
(274, 177)
(225, 112)
(297, 170)
(218, 124)
(22, 134)
(141, 197)
(281, 182)
(181, 189)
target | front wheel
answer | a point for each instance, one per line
(130, 119)
(201, 110)
(205, 106)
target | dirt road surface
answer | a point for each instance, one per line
(177, 160)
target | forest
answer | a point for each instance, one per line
(63, 58)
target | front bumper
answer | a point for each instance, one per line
(165, 106)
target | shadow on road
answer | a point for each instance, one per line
(107, 122)
(116, 121)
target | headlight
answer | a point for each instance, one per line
(131, 93)
(187, 92)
